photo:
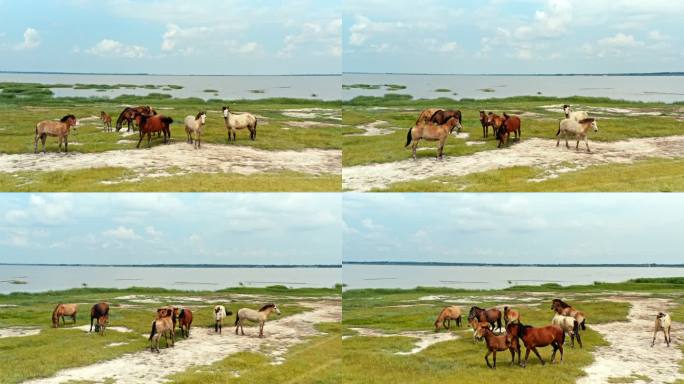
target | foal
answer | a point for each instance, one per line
(106, 120)
(497, 343)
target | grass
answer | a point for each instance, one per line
(57, 349)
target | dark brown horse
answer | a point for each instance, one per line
(184, 318)
(153, 123)
(440, 117)
(129, 113)
(562, 308)
(491, 315)
(99, 312)
(504, 127)
(485, 124)
(533, 337)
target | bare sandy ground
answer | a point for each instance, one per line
(535, 152)
(18, 332)
(210, 158)
(424, 338)
(630, 349)
(205, 347)
(373, 129)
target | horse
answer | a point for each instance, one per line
(491, 315)
(577, 116)
(219, 314)
(484, 121)
(569, 326)
(162, 325)
(430, 132)
(663, 322)
(99, 311)
(440, 116)
(106, 120)
(563, 308)
(59, 129)
(475, 324)
(510, 315)
(259, 316)
(446, 315)
(62, 310)
(239, 121)
(195, 124)
(504, 127)
(497, 343)
(129, 113)
(533, 338)
(579, 129)
(184, 316)
(154, 123)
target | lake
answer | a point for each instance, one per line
(228, 87)
(636, 88)
(44, 278)
(489, 277)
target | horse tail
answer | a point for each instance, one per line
(559, 127)
(255, 125)
(237, 318)
(408, 137)
(154, 329)
(584, 327)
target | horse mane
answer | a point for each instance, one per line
(54, 313)
(562, 303)
(505, 115)
(67, 117)
(267, 306)
(199, 115)
(587, 120)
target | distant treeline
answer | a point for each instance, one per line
(529, 74)
(182, 265)
(444, 264)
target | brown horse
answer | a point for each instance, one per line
(446, 315)
(153, 123)
(504, 126)
(162, 325)
(491, 315)
(510, 315)
(497, 343)
(106, 120)
(59, 129)
(533, 337)
(62, 310)
(563, 308)
(129, 113)
(184, 316)
(99, 311)
(430, 132)
(440, 116)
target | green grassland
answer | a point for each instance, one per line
(390, 311)
(55, 349)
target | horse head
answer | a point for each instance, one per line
(566, 110)
(202, 117)
(226, 112)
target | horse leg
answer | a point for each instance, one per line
(413, 147)
(487, 358)
(261, 329)
(586, 142)
(141, 139)
(534, 349)
(527, 356)
(149, 139)
(494, 358)
(553, 355)
(66, 144)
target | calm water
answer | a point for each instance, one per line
(401, 276)
(637, 88)
(228, 87)
(41, 278)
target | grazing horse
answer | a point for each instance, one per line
(491, 316)
(154, 123)
(59, 129)
(563, 308)
(62, 310)
(486, 124)
(195, 125)
(129, 113)
(430, 132)
(220, 313)
(504, 127)
(239, 121)
(259, 316)
(440, 116)
(510, 315)
(99, 312)
(162, 325)
(106, 120)
(533, 337)
(497, 343)
(569, 326)
(663, 322)
(184, 316)
(446, 315)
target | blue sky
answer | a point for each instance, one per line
(513, 36)
(171, 36)
(514, 228)
(151, 228)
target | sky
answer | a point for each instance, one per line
(172, 36)
(513, 36)
(514, 228)
(187, 228)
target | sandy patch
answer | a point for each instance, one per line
(373, 129)
(86, 328)
(311, 124)
(204, 347)
(312, 113)
(630, 349)
(111, 345)
(18, 332)
(425, 338)
(211, 158)
(534, 152)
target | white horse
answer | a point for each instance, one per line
(239, 121)
(195, 124)
(579, 129)
(663, 322)
(577, 116)
(570, 326)
(220, 313)
(259, 316)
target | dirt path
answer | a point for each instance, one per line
(210, 159)
(203, 348)
(630, 352)
(535, 152)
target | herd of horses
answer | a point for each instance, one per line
(487, 325)
(434, 124)
(147, 121)
(167, 318)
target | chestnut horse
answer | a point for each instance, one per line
(446, 315)
(184, 316)
(485, 124)
(563, 308)
(62, 310)
(430, 132)
(153, 123)
(440, 116)
(491, 315)
(510, 315)
(533, 337)
(106, 120)
(498, 343)
(504, 127)
(99, 311)
(129, 113)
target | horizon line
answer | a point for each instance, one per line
(476, 264)
(657, 73)
(180, 265)
(156, 74)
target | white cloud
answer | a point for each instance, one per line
(152, 231)
(121, 233)
(113, 48)
(31, 39)
(317, 34)
(658, 36)
(620, 40)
